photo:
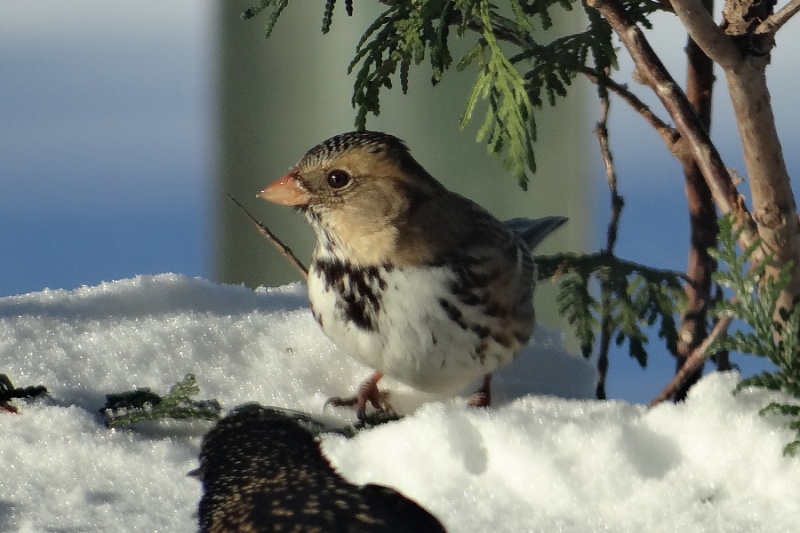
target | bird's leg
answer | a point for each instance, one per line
(483, 396)
(367, 392)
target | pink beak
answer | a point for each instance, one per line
(286, 190)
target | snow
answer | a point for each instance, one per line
(545, 458)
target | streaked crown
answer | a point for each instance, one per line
(372, 141)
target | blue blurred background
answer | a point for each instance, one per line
(108, 150)
(105, 153)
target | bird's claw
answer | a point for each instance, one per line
(479, 399)
(483, 396)
(367, 393)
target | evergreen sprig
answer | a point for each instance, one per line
(772, 332)
(509, 120)
(126, 408)
(519, 67)
(9, 392)
(638, 296)
(277, 8)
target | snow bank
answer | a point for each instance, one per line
(545, 459)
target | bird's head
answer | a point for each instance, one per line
(357, 189)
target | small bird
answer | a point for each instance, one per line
(262, 470)
(411, 279)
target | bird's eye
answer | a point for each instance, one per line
(338, 179)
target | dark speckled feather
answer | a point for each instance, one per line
(263, 471)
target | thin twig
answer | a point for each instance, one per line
(617, 203)
(693, 363)
(775, 21)
(265, 231)
(669, 134)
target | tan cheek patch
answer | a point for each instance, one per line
(365, 241)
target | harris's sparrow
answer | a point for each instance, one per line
(262, 470)
(413, 280)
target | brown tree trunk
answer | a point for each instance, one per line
(702, 217)
(774, 208)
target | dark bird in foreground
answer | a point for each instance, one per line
(262, 470)
(413, 280)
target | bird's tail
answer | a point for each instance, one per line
(534, 230)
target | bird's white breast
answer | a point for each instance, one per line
(404, 329)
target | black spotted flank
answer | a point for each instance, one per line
(470, 282)
(358, 290)
(453, 312)
(482, 332)
(465, 295)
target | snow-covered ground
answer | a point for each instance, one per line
(545, 458)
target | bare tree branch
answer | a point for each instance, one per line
(617, 203)
(773, 203)
(669, 134)
(652, 72)
(775, 21)
(704, 31)
(694, 362)
(702, 216)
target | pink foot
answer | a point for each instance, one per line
(367, 393)
(483, 396)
